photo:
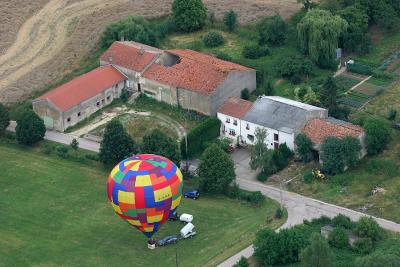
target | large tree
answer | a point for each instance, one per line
(378, 135)
(272, 30)
(30, 128)
(189, 15)
(116, 144)
(319, 33)
(4, 117)
(332, 155)
(318, 253)
(216, 170)
(158, 143)
(328, 94)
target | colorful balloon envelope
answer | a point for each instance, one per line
(145, 190)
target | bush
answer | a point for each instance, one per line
(294, 67)
(242, 263)
(189, 15)
(339, 238)
(47, 148)
(213, 39)
(392, 115)
(378, 259)
(382, 75)
(363, 246)
(359, 68)
(124, 95)
(245, 94)
(278, 213)
(255, 198)
(93, 157)
(204, 132)
(369, 228)
(272, 30)
(304, 147)
(385, 167)
(4, 118)
(255, 51)
(332, 155)
(74, 144)
(62, 151)
(342, 221)
(308, 178)
(377, 135)
(230, 20)
(30, 128)
(223, 56)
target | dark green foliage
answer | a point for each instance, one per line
(340, 112)
(363, 246)
(74, 144)
(378, 135)
(130, 29)
(124, 95)
(242, 263)
(279, 213)
(351, 151)
(378, 259)
(189, 15)
(328, 94)
(230, 20)
(204, 132)
(30, 128)
(369, 228)
(355, 38)
(255, 198)
(385, 167)
(47, 148)
(254, 51)
(332, 155)
(216, 170)
(281, 157)
(62, 151)
(116, 144)
(339, 238)
(156, 142)
(245, 94)
(213, 39)
(359, 68)
(318, 253)
(392, 115)
(342, 221)
(294, 68)
(272, 248)
(4, 118)
(223, 56)
(304, 147)
(272, 30)
(308, 177)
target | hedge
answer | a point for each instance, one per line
(359, 68)
(206, 131)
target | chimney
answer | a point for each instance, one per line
(122, 38)
(110, 59)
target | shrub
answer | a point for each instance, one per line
(294, 67)
(213, 39)
(339, 238)
(62, 151)
(93, 157)
(377, 135)
(332, 155)
(230, 20)
(359, 68)
(278, 213)
(157, 142)
(317, 253)
(245, 94)
(4, 118)
(308, 177)
(124, 95)
(383, 75)
(304, 147)
(242, 263)
(378, 259)
(272, 30)
(30, 128)
(189, 15)
(223, 56)
(385, 167)
(363, 246)
(392, 115)
(47, 148)
(74, 144)
(255, 51)
(342, 221)
(204, 132)
(369, 228)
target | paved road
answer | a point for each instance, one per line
(64, 139)
(299, 207)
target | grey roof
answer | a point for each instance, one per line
(282, 114)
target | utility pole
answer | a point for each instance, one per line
(280, 191)
(176, 257)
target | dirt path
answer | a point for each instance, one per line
(43, 36)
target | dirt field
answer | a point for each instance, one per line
(44, 40)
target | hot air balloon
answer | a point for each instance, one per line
(145, 190)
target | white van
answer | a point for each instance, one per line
(187, 218)
(188, 231)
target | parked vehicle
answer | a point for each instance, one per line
(188, 231)
(167, 240)
(187, 218)
(192, 194)
(174, 217)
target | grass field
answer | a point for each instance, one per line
(55, 212)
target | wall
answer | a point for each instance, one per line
(232, 86)
(132, 75)
(49, 114)
(227, 126)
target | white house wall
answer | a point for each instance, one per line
(227, 128)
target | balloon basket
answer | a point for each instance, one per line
(151, 246)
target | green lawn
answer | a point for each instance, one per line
(55, 212)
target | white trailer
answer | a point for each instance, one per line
(188, 231)
(187, 218)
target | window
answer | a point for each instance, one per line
(250, 137)
(68, 119)
(228, 120)
(108, 98)
(232, 132)
(98, 103)
(234, 122)
(248, 127)
(276, 137)
(79, 114)
(276, 146)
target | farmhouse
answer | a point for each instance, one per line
(76, 100)
(180, 77)
(283, 119)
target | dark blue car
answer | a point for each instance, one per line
(167, 240)
(192, 194)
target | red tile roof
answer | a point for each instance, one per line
(196, 71)
(235, 107)
(130, 55)
(83, 87)
(317, 130)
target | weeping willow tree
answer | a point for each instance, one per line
(318, 33)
